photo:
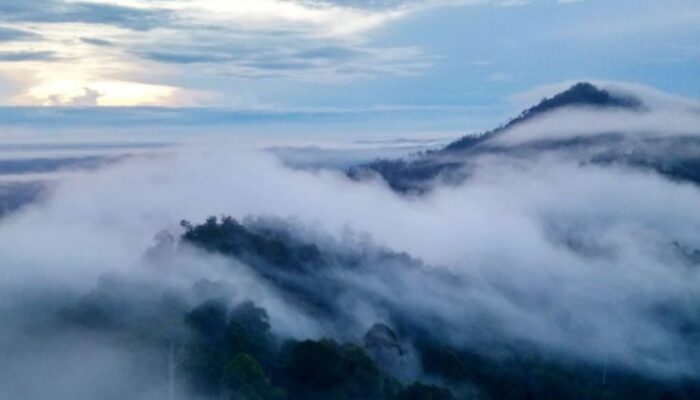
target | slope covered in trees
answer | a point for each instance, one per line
(214, 347)
(674, 155)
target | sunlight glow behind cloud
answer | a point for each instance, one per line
(280, 52)
(63, 92)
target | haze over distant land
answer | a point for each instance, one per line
(492, 259)
(351, 200)
(325, 66)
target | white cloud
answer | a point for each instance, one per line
(651, 96)
(572, 123)
(664, 115)
(509, 233)
(253, 39)
(513, 3)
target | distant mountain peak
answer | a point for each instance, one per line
(582, 94)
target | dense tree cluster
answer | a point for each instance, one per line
(220, 349)
(274, 248)
(232, 351)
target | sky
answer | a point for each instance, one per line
(554, 249)
(434, 66)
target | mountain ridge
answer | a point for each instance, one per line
(581, 94)
(674, 157)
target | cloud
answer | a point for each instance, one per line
(417, 4)
(568, 124)
(295, 41)
(652, 97)
(535, 254)
(13, 35)
(665, 116)
(255, 40)
(546, 251)
(368, 4)
(97, 42)
(513, 3)
(184, 58)
(329, 63)
(21, 56)
(13, 81)
(305, 46)
(89, 98)
(59, 11)
(107, 93)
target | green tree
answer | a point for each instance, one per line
(419, 391)
(325, 367)
(245, 379)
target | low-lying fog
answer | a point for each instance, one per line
(591, 263)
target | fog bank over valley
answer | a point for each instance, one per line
(557, 256)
